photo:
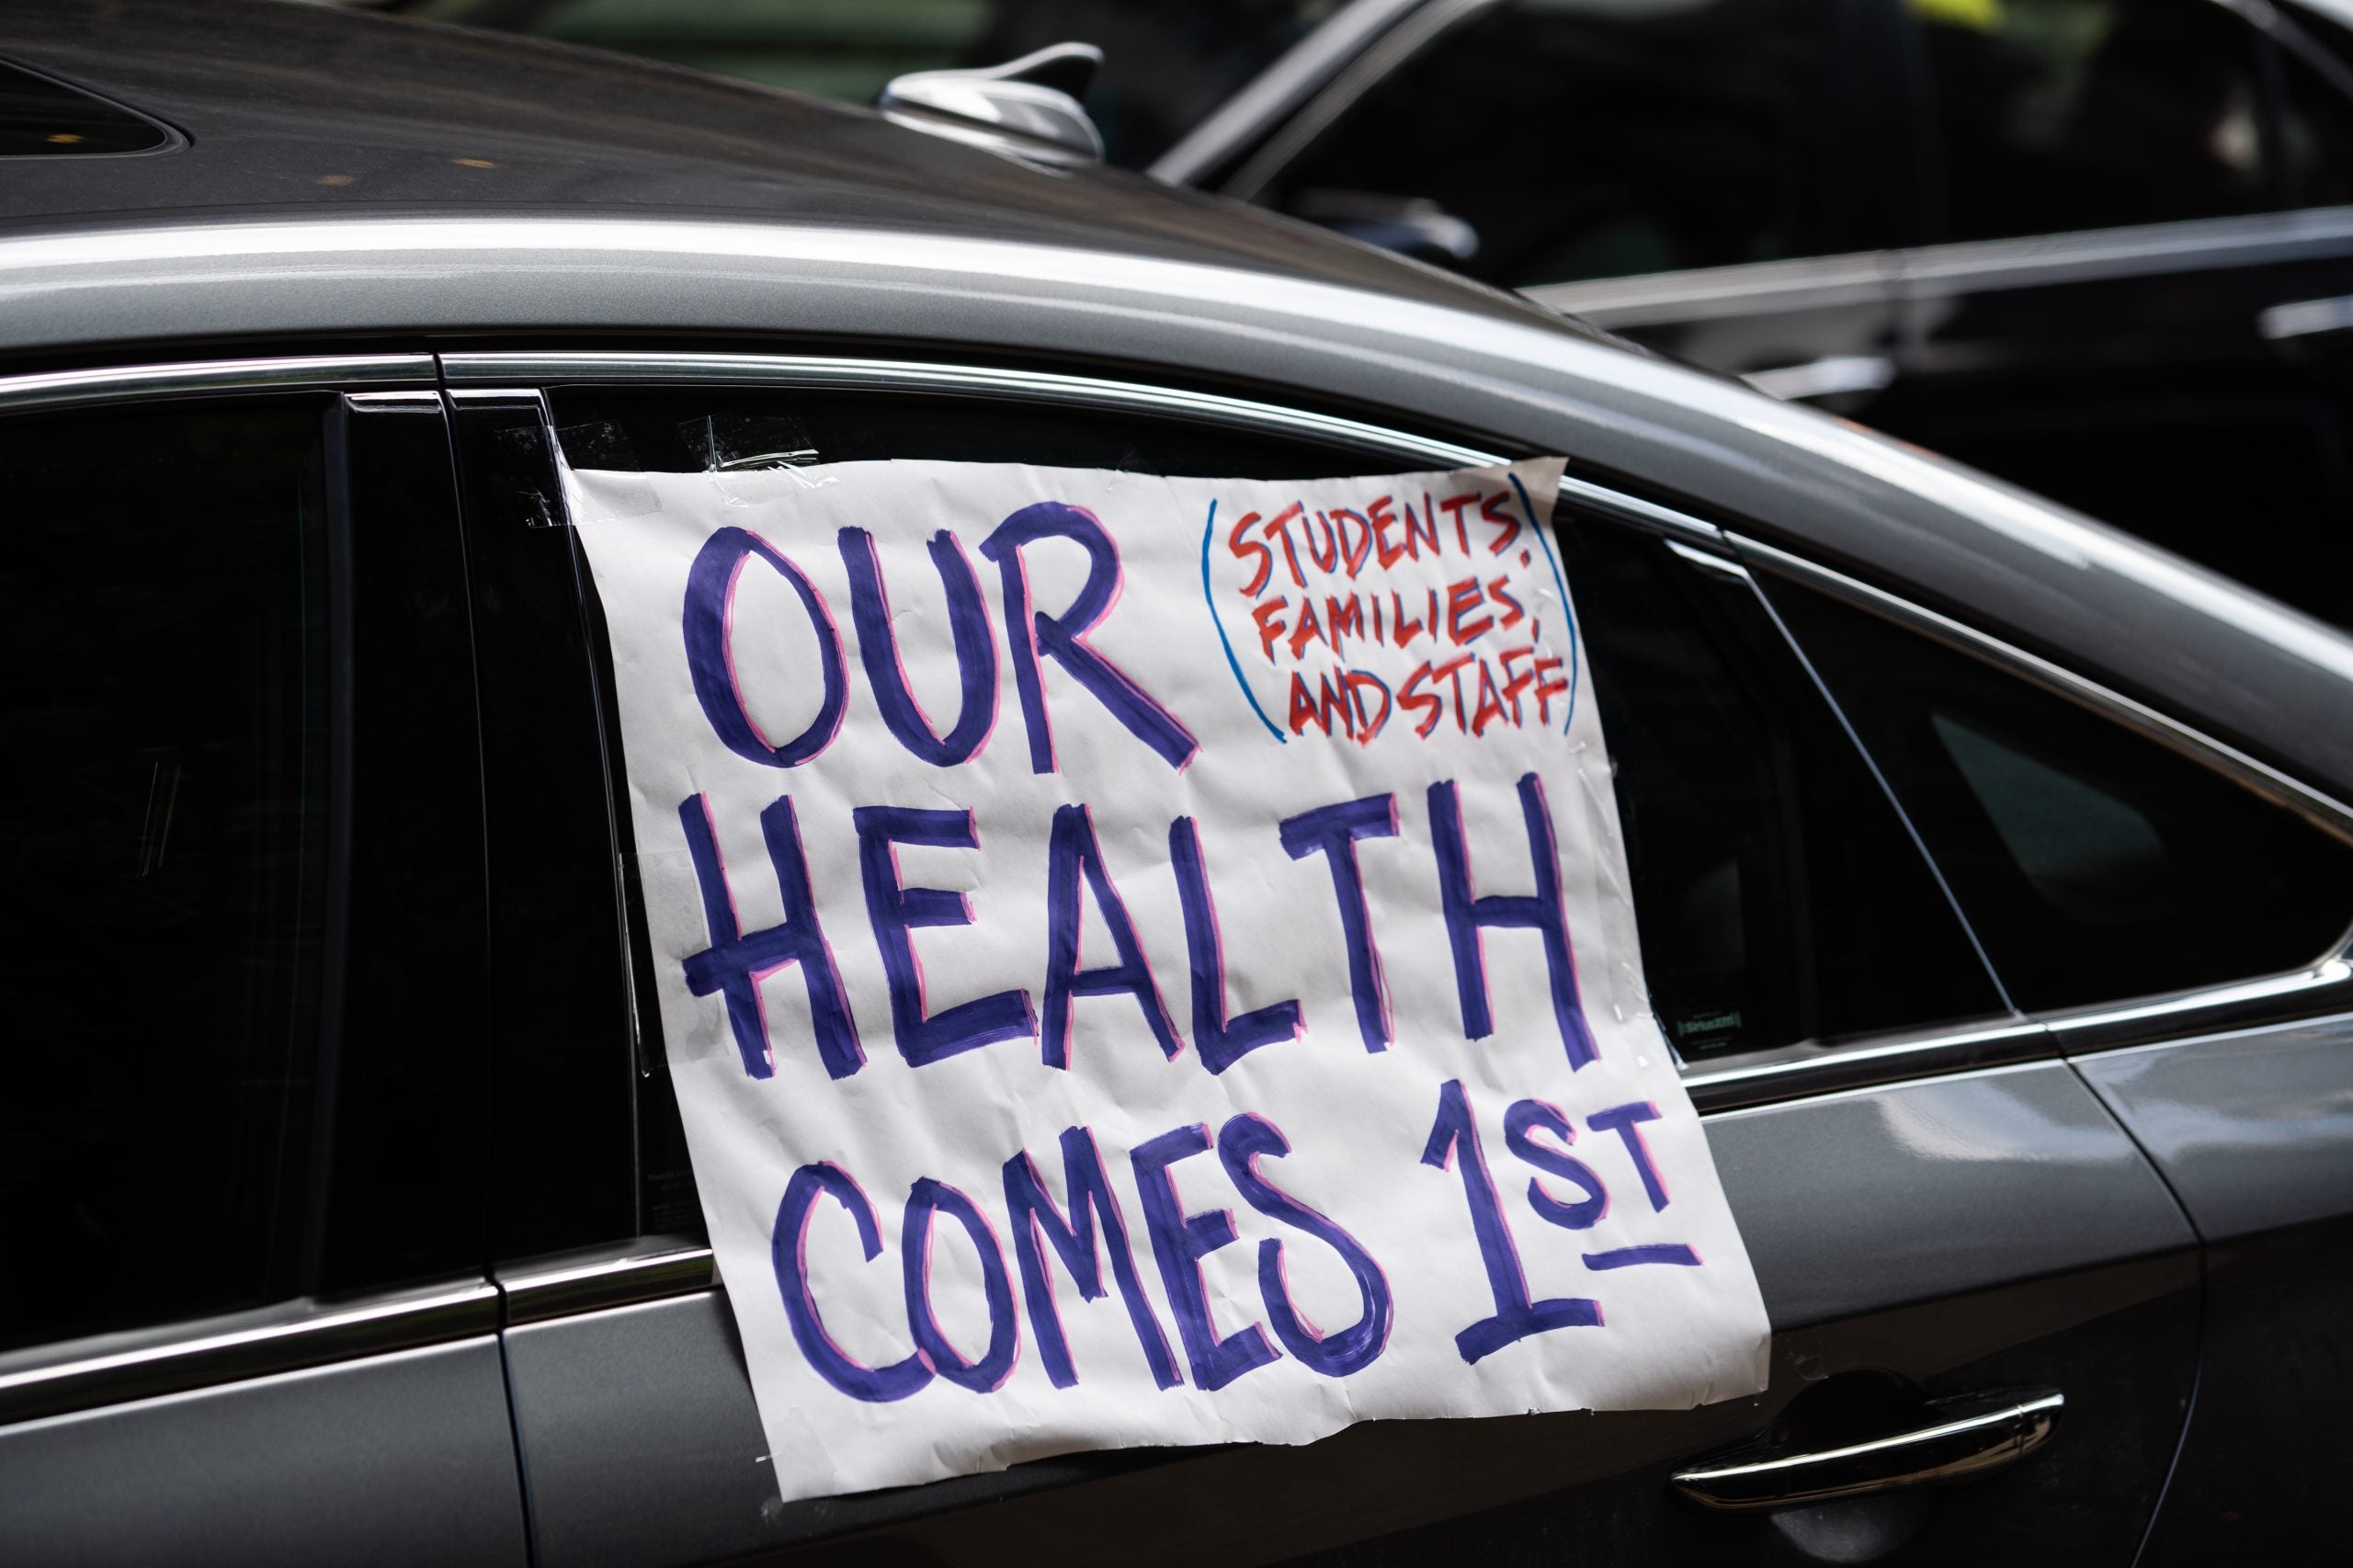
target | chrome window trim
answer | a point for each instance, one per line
(2318, 992)
(119, 384)
(467, 373)
(1879, 277)
(1810, 1069)
(648, 1269)
(114, 1368)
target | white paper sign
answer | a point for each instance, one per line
(1149, 960)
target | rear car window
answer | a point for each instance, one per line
(162, 803)
(2094, 864)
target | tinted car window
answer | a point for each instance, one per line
(2094, 863)
(161, 803)
(2052, 115)
(1546, 141)
(1779, 896)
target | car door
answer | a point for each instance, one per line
(1719, 180)
(2139, 211)
(2097, 865)
(1937, 1206)
(247, 1317)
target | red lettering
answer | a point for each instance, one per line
(1361, 550)
(1342, 620)
(1516, 684)
(1244, 548)
(1269, 619)
(1404, 631)
(1499, 590)
(1453, 506)
(1328, 558)
(1452, 671)
(1302, 706)
(1383, 521)
(1281, 524)
(1547, 686)
(1307, 630)
(1490, 706)
(1413, 698)
(1509, 524)
(1426, 529)
(1460, 598)
(1355, 681)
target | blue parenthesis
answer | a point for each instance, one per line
(1210, 529)
(1567, 614)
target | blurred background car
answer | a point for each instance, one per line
(2101, 248)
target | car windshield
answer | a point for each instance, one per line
(1166, 62)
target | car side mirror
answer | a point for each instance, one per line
(1410, 226)
(1028, 106)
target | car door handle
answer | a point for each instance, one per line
(1826, 377)
(1963, 1439)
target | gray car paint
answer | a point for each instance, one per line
(2253, 1129)
(643, 1446)
(395, 1460)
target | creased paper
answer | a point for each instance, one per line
(1148, 962)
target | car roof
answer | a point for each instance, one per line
(295, 110)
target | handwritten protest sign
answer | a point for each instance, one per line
(1149, 960)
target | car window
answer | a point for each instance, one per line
(1779, 896)
(1548, 141)
(162, 853)
(2053, 115)
(2094, 863)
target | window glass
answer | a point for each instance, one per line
(2094, 863)
(161, 797)
(1779, 896)
(1546, 141)
(2052, 115)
